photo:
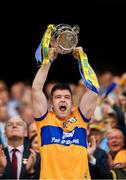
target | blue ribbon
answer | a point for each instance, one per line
(87, 83)
(38, 54)
(111, 88)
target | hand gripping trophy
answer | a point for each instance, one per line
(62, 36)
(65, 39)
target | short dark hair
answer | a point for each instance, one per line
(61, 86)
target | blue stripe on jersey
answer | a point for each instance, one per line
(41, 118)
(55, 135)
(83, 117)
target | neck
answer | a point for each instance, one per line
(113, 154)
(15, 142)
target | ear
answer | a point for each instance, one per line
(50, 107)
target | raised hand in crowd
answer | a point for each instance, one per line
(31, 162)
(3, 160)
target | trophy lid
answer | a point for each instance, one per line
(60, 28)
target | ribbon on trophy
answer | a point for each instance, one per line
(42, 52)
(66, 38)
(87, 73)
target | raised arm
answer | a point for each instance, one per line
(39, 100)
(88, 101)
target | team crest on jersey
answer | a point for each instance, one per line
(72, 120)
(68, 134)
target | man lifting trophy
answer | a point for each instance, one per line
(61, 132)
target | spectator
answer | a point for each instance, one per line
(34, 143)
(27, 165)
(105, 79)
(32, 130)
(16, 93)
(4, 96)
(3, 118)
(117, 153)
(110, 121)
(98, 160)
(3, 85)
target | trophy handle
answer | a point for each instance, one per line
(76, 29)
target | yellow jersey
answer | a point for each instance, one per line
(63, 146)
(120, 157)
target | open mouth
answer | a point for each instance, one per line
(62, 108)
(115, 145)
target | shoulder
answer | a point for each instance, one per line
(77, 112)
(44, 116)
(120, 157)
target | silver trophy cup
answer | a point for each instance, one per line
(65, 37)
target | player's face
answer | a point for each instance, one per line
(62, 103)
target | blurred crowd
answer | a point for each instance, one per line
(106, 130)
